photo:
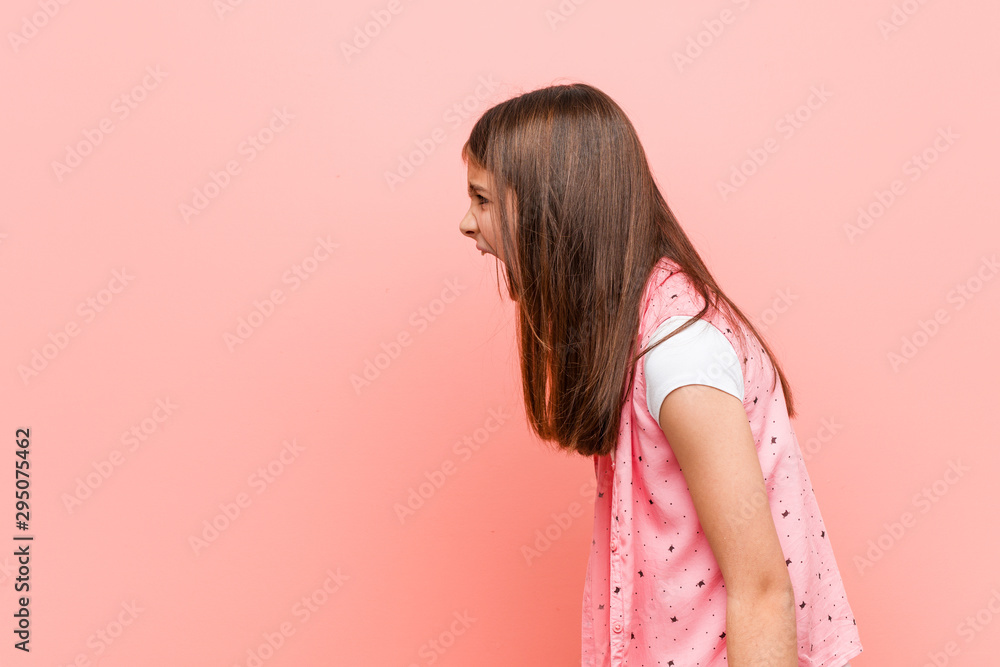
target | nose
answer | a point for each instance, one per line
(468, 225)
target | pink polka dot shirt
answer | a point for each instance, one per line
(654, 595)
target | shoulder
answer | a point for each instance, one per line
(669, 291)
(700, 354)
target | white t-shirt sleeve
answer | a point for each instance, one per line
(701, 354)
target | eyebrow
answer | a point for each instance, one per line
(475, 187)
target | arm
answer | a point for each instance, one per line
(711, 438)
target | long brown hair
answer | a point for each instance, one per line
(589, 225)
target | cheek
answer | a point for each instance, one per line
(489, 230)
(488, 221)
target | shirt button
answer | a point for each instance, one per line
(617, 626)
(614, 545)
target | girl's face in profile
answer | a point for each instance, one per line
(478, 222)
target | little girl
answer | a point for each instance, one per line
(708, 545)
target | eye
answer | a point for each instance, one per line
(482, 200)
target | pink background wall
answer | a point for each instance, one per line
(201, 253)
